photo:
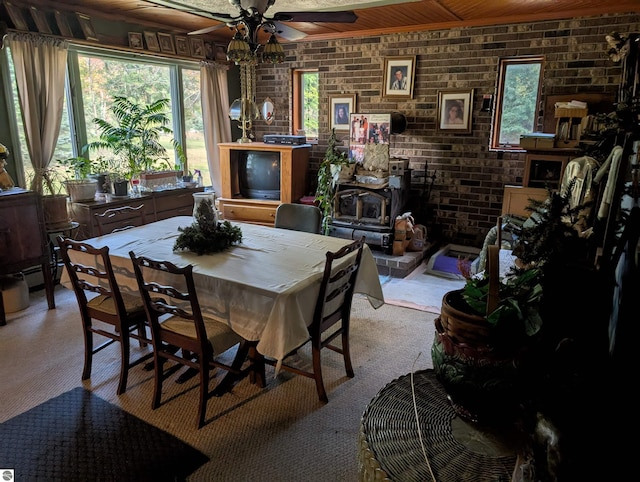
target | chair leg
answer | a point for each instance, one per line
(142, 332)
(88, 351)
(204, 392)
(124, 363)
(346, 353)
(317, 372)
(158, 362)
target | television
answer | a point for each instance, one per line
(259, 174)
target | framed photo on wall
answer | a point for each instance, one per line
(63, 24)
(166, 43)
(399, 75)
(17, 18)
(40, 18)
(197, 48)
(341, 106)
(152, 41)
(86, 26)
(454, 110)
(182, 45)
(135, 40)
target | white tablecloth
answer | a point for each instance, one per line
(265, 288)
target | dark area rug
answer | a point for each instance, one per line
(77, 436)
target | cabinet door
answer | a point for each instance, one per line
(21, 235)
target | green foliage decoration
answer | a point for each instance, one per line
(325, 191)
(207, 235)
(135, 136)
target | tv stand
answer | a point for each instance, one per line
(294, 164)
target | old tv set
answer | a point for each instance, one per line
(259, 174)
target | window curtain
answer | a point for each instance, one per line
(40, 64)
(215, 114)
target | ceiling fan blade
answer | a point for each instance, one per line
(329, 17)
(207, 29)
(287, 32)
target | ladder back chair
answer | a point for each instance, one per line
(100, 298)
(181, 334)
(118, 219)
(299, 217)
(333, 307)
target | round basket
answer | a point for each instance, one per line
(461, 326)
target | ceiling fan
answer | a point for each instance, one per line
(252, 18)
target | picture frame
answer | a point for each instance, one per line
(135, 40)
(197, 48)
(63, 24)
(40, 19)
(182, 45)
(454, 110)
(87, 26)
(399, 77)
(152, 41)
(341, 106)
(166, 43)
(17, 18)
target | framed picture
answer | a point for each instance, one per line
(454, 110)
(182, 45)
(399, 75)
(341, 106)
(17, 18)
(86, 26)
(152, 41)
(197, 48)
(135, 40)
(166, 43)
(63, 24)
(210, 51)
(40, 18)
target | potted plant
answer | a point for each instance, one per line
(495, 336)
(135, 136)
(328, 173)
(79, 183)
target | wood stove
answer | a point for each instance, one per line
(367, 210)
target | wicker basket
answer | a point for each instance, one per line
(461, 326)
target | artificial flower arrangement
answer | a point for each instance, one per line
(207, 235)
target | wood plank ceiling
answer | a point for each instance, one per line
(403, 17)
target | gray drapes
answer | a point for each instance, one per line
(40, 64)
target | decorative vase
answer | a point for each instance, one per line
(198, 197)
(483, 378)
(120, 188)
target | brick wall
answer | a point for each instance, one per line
(466, 197)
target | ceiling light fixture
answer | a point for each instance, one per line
(244, 50)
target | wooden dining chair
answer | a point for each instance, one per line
(99, 298)
(118, 219)
(298, 217)
(180, 333)
(333, 307)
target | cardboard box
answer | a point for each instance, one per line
(537, 140)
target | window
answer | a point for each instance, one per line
(97, 75)
(519, 90)
(305, 102)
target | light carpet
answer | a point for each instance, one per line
(281, 432)
(419, 290)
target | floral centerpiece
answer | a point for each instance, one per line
(207, 235)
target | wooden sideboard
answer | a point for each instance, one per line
(294, 165)
(23, 239)
(157, 205)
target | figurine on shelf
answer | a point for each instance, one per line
(5, 179)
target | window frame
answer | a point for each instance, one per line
(297, 102)
(503, 65)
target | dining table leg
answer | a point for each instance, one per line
(246, 350)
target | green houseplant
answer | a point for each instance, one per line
(134, 137)
(328, 172)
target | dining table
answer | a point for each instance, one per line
(264, 288)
